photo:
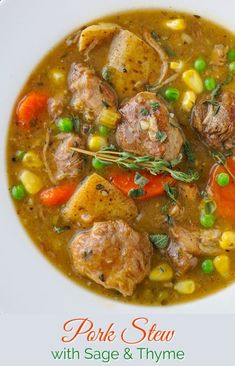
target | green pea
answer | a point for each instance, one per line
(18, 192)
(207, 220)
(103, 131)
(20, 154)
(200, 64)
(65, 125)
(172, 94)
(231, 55)
(222, 179)
(98, 164)
(232, 67)
(210, 83)
(207, 266)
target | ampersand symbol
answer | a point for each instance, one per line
(127, 354)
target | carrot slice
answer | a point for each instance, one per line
(224, 196)
(56, 196)
(155, 187)
(30, 107)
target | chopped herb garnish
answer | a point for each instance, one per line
(215, 93)
(99, 187)
(161, 136)
(169, 220)
(105, 104)
(188, 152)
(20, 155)
(140, 180)
(136, 192)
(159, 240)
(216, 109)
(188, 177)
(165, 208)
(101, 277)
(155, 36)
(228, 79)
(64, 55)
(76, 124)
(171, 192)
(170, 51)
(91, 130)
(204, 194)
(60, 229)
(106, 73)
(221, 157)
(87, 254)
(144, 112)
(209, 207)
(155, 106)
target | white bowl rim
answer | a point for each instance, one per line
(52, 290)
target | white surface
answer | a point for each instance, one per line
(28, 29)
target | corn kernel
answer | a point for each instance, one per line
(177, 66)
(222, 265)
(176, 24)
(96, 143)
(228, 240)
(31, 160)
(188, 101)
(185, 287)
(57, 76)
(109, 118)
(31, 182)
(193, 80)
(162, 272)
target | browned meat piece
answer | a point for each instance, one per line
(219, 55)
(209, 242)
(147, 128)
(188, 192)
(113, 255)
(90, 93)
(216, 124)
(186, 246)
(55, 107)
(68, 163)
(183, 249)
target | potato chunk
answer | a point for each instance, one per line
(97, 33)
(131, 61)
(95, 200)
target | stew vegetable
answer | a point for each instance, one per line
(121, 157)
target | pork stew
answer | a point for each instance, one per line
(121, 157)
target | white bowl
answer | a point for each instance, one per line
(28, 29)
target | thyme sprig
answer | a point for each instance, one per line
(221, 158)
(154, 166)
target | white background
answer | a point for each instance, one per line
(35, 299)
